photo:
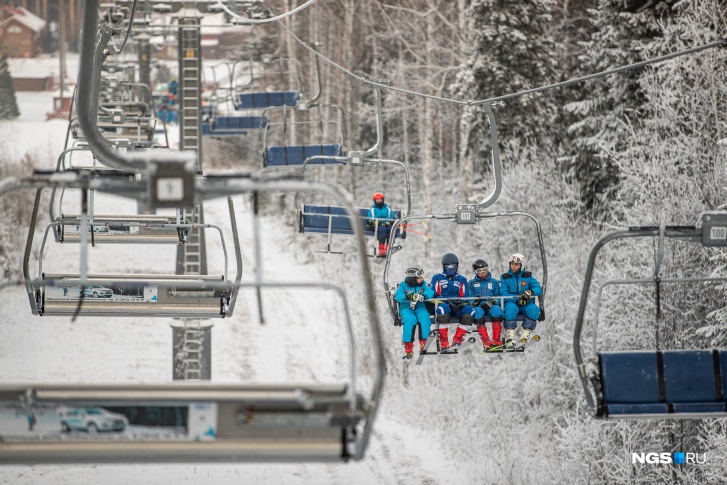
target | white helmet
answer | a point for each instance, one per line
(517, 258)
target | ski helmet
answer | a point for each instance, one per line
(478, 264)
(517, 258)
(450, 264)
(411, 276)
(378, 196)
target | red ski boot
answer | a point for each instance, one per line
(486, 342)
(443, 338)
(459, 336)
(496, 330)
(382, 250)
(408, 350)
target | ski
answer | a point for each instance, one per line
(523, 345)
(520, 347)
(462, 346)
(431, 338)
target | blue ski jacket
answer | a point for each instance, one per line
(449, 286)
(484, 287)
(405, 290)
(512, 284)
(383, 212)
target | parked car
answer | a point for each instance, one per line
(97, 291)
(92, 420)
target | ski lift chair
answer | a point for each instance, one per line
(321, 153)
(223, 126)
(466, 214)
(331, 220)
(665, 384)
(271, 99)
(189, 296)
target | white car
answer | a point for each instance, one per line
(97, 291)
(92, 420)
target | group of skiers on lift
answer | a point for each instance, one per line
(470, 301)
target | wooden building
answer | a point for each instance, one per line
(20, 32)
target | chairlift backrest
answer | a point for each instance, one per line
(335, 220)
(653, 383)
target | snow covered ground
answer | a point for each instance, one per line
(133, 350)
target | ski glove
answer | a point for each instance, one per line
(456, 305)
(489, 304)
(525, 297)
(415, 297)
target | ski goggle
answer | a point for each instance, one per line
(414, 272)
(450, 266)
(482, 270)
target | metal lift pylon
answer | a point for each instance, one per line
(192, 341)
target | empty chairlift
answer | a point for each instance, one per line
(159, 295)
(325, 134)
(652, 383)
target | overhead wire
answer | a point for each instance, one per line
(608, 72)
(249, 21)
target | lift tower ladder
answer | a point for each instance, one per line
(191, 342)
(190, 67)
(192, 352)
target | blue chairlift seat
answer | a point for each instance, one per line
(263, 100)
(315, 219)
(297, 154)
(232, 125)
(672, 382)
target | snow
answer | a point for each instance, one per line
(44, 65)
(139, 350)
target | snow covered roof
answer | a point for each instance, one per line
(26, 18)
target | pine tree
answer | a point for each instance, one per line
(8, 103)
(615, 105)
(512, 51)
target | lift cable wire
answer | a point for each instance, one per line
(249, 21)
(128, 30)
(636, 65)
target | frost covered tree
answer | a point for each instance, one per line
(8, 104)
(623, 32)
(511, 51)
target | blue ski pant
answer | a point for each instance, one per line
(495, 312)
(409, 319)
(382, 231)
(444, 309)
(531, 312)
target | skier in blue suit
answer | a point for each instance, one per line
(385, 216)
(523, 286)
(450, 284)
(411, 295)
(484, 287)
